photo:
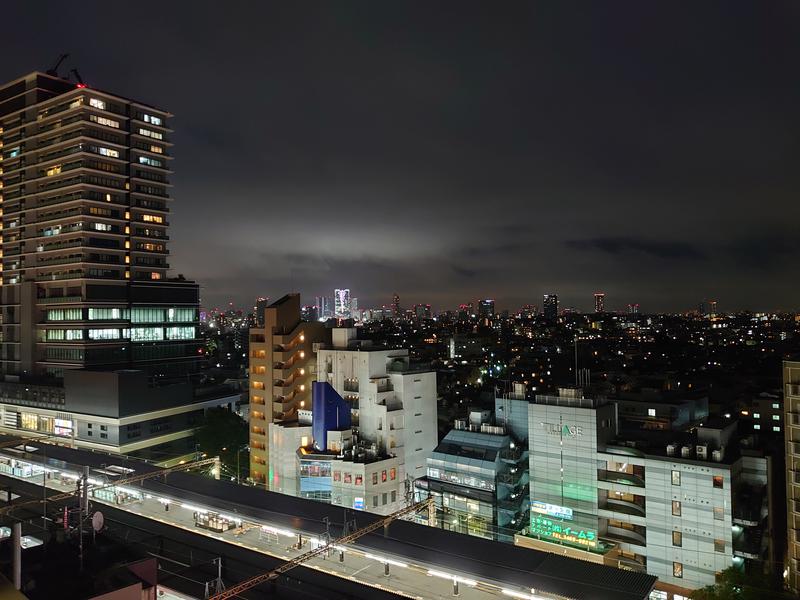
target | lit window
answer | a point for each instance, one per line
(151, 134)
(756, 426)
(157, 149)
(775, 405)
(152, 119)
(54, 170)
(153, 162)
(676, 478)
(108, 152)
(104, 121)
(719, 514)
(776, 417)
(676, 508)
(718, 481)
(155, 275)
(775, 428)
(152, 218)
(756, 415)
(100, 226)
(677, 569)
(719, 545)
(677, 538)
(651, 412)
(97, 103)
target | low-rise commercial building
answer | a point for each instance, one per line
(121, 412)
(682, 507)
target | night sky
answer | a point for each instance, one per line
(449, 151)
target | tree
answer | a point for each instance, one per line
(733, 584)
(224, 434)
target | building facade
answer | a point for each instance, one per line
(393, 403)
(550, 307)
(599, 302)
(118, 412)
(791, 403)
(478, 474)
(683, 512)
(85, 203)
(282, 367)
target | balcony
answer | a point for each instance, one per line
(623, 506)
(621, 478)
(512, 455)
(350, 385)
(630, 564)
(510, 478)
(626, 536)
(59, 300)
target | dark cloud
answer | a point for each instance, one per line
(631, 247)
(455, 150)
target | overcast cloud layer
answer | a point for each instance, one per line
(449, 151)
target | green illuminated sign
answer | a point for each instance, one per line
(558, 532)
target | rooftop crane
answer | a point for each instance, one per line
(78, 77)
(323, 549)
(124, 481)
(53, 71)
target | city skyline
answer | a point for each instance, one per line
(644, 184)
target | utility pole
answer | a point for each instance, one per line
(576, 360)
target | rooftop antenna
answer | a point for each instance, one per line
(53, 71)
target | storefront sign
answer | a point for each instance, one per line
(552, 510)
(562, 430)
(558, 532)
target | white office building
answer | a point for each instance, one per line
(393, 430)
(682, 509)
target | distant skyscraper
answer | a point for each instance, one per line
(342, 305)
(633, 309)
(712, 308)
(324, 306)
(261, 304)
(486, 309)
(396, 306)
(599, 302)
(422, 311)
(550, 306)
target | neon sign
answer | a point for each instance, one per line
(547, 528)
(552, 510)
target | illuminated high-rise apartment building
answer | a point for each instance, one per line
(282, 367)
(85, 202)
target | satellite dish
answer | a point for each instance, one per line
(97, 521)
